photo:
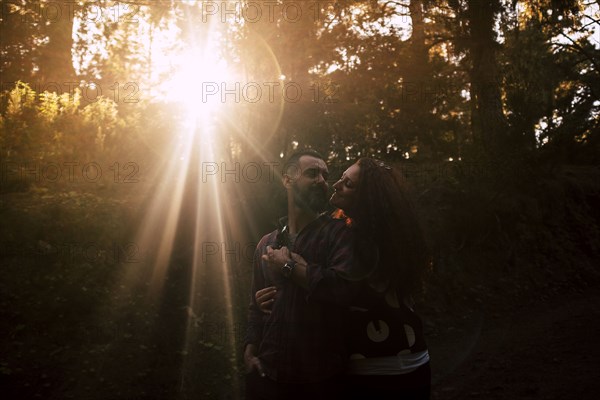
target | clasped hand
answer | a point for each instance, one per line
(275, 258)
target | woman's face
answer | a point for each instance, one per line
(344, 196)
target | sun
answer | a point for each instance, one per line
(196, 84)
(191, 74)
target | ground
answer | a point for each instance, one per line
(76, 326)
(545, 350)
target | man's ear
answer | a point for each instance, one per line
(287, 181)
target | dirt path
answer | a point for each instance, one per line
(546, 351)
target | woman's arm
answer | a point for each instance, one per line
(334, 284)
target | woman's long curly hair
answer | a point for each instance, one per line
(386, 219)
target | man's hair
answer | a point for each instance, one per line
(294, 158)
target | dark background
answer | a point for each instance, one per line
(127, 234)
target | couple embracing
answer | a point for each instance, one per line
(330, 315)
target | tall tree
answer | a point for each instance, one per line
(489, 122)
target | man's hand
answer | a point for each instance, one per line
(276, 258)
(252, 362)
(265, 299)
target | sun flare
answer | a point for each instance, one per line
(197, 79)
(189, 73)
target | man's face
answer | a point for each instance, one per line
(309, 183)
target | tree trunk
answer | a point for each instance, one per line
(55, 61)
(489, 122)
(418, 83)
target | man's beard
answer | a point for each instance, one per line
(314, 198)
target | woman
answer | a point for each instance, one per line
(388, 357)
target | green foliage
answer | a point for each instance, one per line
(37, 127)
(20, 114)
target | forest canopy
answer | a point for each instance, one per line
(401, 80)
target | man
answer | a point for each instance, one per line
(297, 351)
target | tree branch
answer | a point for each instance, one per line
(578, 47)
